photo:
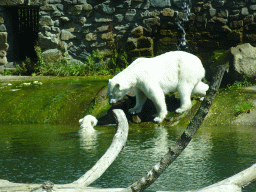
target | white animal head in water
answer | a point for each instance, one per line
(88, 122)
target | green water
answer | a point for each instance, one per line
(40, 141)
(60, 153)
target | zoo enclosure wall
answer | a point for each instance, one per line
(75, 28)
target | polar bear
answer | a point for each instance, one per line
(154, 77)
(87, 123)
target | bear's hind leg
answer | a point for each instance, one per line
(185, 91)
(140, 100)
(201, 89)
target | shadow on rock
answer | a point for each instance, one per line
(146, 115)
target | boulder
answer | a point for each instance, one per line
(47, 42)
(51, 55)
(243, 62)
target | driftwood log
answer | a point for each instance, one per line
(232, 184)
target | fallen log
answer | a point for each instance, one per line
(90, 176)
(107, 159)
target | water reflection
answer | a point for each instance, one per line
(88, 139)
(160, 141)
(63, 153)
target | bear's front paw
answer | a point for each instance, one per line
(158, 120)
(179, 110)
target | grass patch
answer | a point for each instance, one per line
(239, 84)
(244, 107)
(98, 63)
(226, 105)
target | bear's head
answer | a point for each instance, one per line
(116, 91)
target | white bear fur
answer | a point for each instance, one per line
(154, 77)
(87, 123)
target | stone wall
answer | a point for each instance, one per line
(74, 28)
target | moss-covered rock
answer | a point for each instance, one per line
(54, 100)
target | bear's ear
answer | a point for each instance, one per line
(109, 80)
(122, 86)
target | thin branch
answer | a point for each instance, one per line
(185, 138)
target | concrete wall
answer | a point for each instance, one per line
(75, 28)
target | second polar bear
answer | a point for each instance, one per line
(154, 77)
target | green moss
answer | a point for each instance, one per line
(219, 57)
(99, 105)
(223, 110)
(184, 118)
(57, 100)
(66, 100)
